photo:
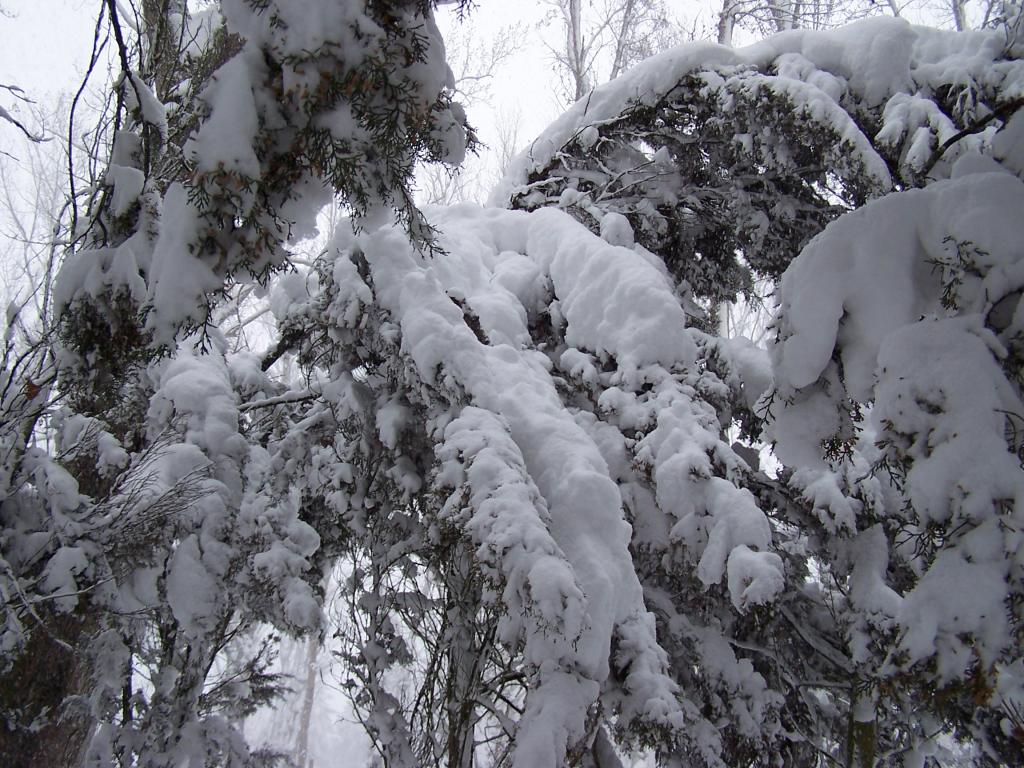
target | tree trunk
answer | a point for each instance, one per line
(782, 15)
(959, 15)
(308, 694)
(726, 23)
(464, 659)
(622, 38)
(163, 43)
(44, 725)
(575, 49)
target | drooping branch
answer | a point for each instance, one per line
(1002, 112)
(19, 94)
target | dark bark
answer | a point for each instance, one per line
(45, 724)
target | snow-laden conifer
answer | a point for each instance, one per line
(514, 433)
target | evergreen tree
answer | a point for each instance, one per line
(725, 172)
(514, 430)
(149, 545)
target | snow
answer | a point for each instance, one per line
(556, 535)
(509, 523)
(139, 96)
(225, 140)
(555, 719)
(1008, 144)
(755, 578)
(816, 105)
(542, 490)
(594, 285)
(750, 364)
(880, 282)
(616, 230)
(875, 55)
(197, 389)
(128, 184)
(59, 580)
(956, 597)
(876, 63)
(894, 306)
(91, 272)
(180, 278)
(719, 524)
(55, 483)
(297, 26)
(192, 591)
(868, 589)
(534, 396)
(193, 417)
(939, 379)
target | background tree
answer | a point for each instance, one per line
(604, 38)
(643, 148)
(514, 432)
(133, 555)
(765, 18)
(475, 63)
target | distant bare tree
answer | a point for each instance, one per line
(507, 139)
(604, 38)
(765, 17)
(474, 60)
(6, 116)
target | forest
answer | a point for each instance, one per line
(688, 432)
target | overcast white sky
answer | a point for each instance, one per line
(528, 82)
(46, 43)
(44, 46)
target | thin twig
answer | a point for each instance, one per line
(97, 49)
